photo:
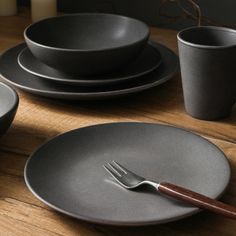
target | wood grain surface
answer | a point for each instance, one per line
(39, 119)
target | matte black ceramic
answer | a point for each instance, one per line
(12, 73)
(207, 59)
(67, 172)
(87, 44)
(8, 106)
(148, 60)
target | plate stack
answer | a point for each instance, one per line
(87, 56)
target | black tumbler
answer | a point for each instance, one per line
(208, 70)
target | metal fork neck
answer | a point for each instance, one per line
(154, 184)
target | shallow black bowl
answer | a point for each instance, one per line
(87, 43)
(9, 101)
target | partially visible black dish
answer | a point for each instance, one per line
(87, 43)
(146, 62)
(9, 68)
(8, 106)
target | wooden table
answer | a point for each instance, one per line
(40, 119)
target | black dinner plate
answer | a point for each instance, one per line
(67, 172)
(12, 73)
(148, 61)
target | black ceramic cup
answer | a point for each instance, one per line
(208, 69)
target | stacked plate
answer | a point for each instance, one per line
(87, 56)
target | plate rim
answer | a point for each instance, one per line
(124, 223)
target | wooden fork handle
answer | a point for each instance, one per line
(197, 199)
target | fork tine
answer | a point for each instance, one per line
(126, 171)
(122, 168)
(116, 169)
(111, 172)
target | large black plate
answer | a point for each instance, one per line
(11, 72)
(66, 173)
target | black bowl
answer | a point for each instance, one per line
(9, 101)
(87, 43)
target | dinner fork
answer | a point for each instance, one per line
(130, 180)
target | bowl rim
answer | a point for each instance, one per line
(145, 36)
(15, 102)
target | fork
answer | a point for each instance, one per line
(130, 180)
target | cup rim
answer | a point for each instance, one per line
(179, 37)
